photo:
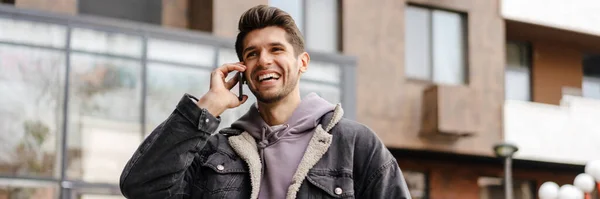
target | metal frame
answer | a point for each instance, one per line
(69, 188)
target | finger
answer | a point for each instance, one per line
(231, 82)
(244, 98)
(227, 68)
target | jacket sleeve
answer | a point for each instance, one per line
(163, 165)
(379, 173)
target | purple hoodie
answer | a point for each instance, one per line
(281, 147)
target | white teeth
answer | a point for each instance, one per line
(266, 76)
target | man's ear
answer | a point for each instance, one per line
(304, 60)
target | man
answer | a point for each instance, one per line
(283, 147)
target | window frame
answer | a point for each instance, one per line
(526, 58)
(430, 37)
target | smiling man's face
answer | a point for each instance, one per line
(273, 69)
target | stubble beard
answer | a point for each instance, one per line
(278, 95)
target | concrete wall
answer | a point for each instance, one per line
(392, 105)
(574, 15)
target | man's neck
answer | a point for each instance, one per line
(277, 113)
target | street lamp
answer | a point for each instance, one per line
(548, 190)
(506, 151)
(593, 169)
(585, 183)
(569, 192)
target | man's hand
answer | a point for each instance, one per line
(219, 97)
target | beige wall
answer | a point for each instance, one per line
(554, 66)
(175, 13)
(226, 14)
(374, 32)
(58, 6)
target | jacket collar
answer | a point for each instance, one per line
(245, 146)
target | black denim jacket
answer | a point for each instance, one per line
(182, 159)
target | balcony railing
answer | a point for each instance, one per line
(567, 133)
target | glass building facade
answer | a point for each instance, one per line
(78, 95)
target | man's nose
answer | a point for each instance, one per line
(266, 58)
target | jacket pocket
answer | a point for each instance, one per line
(332, 183)
(221, 174)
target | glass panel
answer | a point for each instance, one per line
(449, 62)
(322, 25)
(418, 44)
(166, 86)
(322, 71)
(417, 183)
(104, 117)
(517, 75)
(96, 196)
(328, 92)
(32, 87)
(293, 7)
(493, 188)
(105, 42)
(181, 52)
(21, 189)
(516, 84)
(591, 87)
(227, 56)
(35, 33)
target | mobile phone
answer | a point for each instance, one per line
(240, 85)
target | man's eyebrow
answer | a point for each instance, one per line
(275, 44)
(249, 48)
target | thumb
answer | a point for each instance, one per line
(244, 98)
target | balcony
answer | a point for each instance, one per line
(567, 133)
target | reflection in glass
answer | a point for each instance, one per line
(31, 83)
(36, 33)
(181, 52)
(105, 42)
(104, 117)
(96, 196)
(166, 85)
(22, 189)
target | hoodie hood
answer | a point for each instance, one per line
(282, 147)
(306, 117)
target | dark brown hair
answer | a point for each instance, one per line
(263, 16)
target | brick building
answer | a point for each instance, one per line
(441, 82)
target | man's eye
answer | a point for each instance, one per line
(277, 49)
(252, 54)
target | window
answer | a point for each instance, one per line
(517, 77)
(32, 87)
(591, 77)
(316, 19)
(435, 45)
(493, 188)
(417, 183)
